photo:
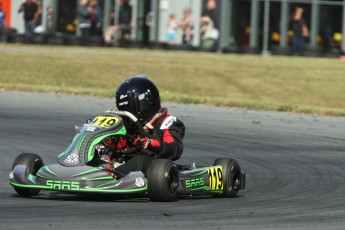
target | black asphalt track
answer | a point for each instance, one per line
(295, 167)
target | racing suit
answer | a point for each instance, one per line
(165, 134)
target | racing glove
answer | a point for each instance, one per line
(146, 143)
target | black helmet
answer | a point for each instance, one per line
(139, 96)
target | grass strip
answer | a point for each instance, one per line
(278, 83)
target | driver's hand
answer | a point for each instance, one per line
(144, 143)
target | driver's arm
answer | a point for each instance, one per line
(168, 142)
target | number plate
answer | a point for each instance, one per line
(104, 121)
(215, 176)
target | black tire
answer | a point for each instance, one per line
(163, 180)
(33, 163)
(231, 174)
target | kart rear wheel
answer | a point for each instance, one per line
(231, 176)
(33, 163)
(163, 180)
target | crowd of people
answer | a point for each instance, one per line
(180, 27)
(89, 18)
(90, 21)
(124, 24)
(186, 24)
(209, 32)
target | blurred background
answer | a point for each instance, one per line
(239, 26)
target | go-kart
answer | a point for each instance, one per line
(82, 168)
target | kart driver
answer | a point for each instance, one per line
(164, 133)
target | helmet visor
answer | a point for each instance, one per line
(138, 105)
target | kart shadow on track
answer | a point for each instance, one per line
(73, 197)
(48, 195)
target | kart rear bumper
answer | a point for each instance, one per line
(243, 180)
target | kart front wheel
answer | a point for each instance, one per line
(32, 163)
(231, 176)
(163, 180)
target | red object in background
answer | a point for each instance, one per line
(6, 5)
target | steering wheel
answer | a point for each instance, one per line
(131, 149)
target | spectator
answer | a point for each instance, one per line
(30, 9)
(84, 11)
(172, 26)
(209, 34)
(50, 20)
(108, 35)
(210, 11)
(2, 16)
(300, 30)
(38, 17)
(123, 29)
(326, 31)
(186, 24)
(96, 18)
